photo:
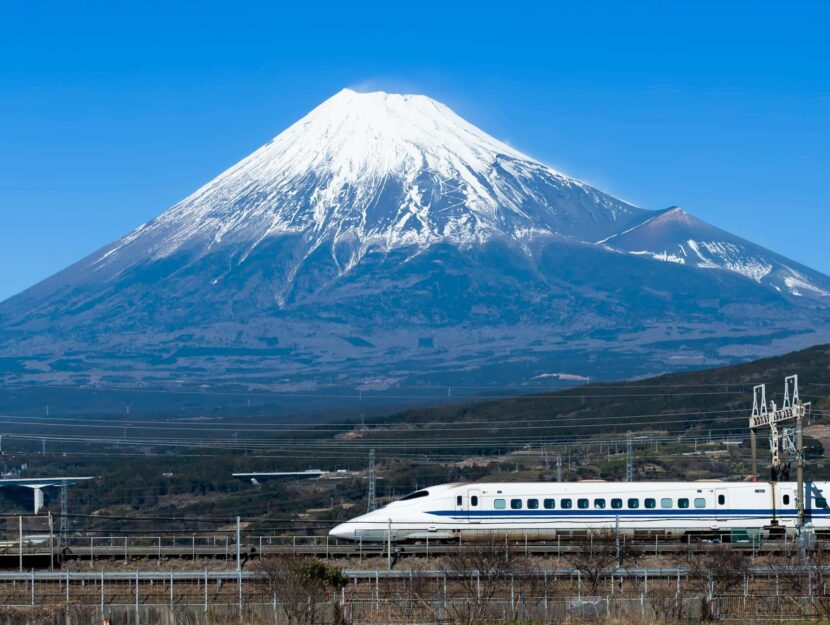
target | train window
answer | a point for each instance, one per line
(550, 504)
(533, 504)
(721, 500)
(821, 502)
(499, 504)
(516, 504)
(616, 503)
(582, 504)
(459, 501)
(416, 495)
(567, 503)
(650, 503)
(633, 502)
(599, 504)
(474, 500)
(700, 502)
(786, 500)
(665, 502)
(682, 503)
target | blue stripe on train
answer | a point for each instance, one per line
(612, 514)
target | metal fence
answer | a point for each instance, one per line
(376, 596)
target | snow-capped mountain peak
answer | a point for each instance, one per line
(380, 170)
(383, 241)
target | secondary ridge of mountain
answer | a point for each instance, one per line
(382, 241)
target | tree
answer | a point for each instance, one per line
(478, 570)
(718, 569)
(593, 560)
(300, 584)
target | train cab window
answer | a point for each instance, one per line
(416, 495)
(665, 502)
(682, 503)
(459, 501)
(616, 504)
(786, 500)
(700, 502)
(633, 502)
(567, 503)
(599, 504)
(550, 504)
(650, 503)
(499, 504)
(821, 502)
(533, 504)
(474, 500)
(515, 504)
(582, 504)
(721, 500)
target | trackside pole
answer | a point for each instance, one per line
(389, 546)
(799, 446)
(238, 547)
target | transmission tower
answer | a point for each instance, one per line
(371, 504)
(558, 468)
(629, 458)
(64, 531)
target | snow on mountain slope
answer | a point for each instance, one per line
(675, 236)
(382, 240)
(378, 170)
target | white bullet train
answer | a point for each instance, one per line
(550, 510)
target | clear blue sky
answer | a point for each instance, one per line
(110, 112)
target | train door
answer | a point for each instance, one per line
(787, 504)
(473, 504)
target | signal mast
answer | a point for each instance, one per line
(782, 446)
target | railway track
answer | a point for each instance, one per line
(38, 556)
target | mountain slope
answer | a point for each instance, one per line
(675, 236)
(383, 242)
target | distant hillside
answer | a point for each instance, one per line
(680, 422)
(712, 398)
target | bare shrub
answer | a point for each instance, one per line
(668, 605)
(594, 559)
(804, 573)
(300, 584)
(720, 568)
(478, 571)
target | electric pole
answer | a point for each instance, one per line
(629, 458)
(371, 503)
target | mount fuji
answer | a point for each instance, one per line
(382, 242)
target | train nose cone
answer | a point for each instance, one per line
(343, 531)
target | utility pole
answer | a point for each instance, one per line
(389, 546)
(799, 471)
(238, 545)
(558, 468)
(792, 408)
(64, 530)
(371, 502)
(51, 544)
(629, 458)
